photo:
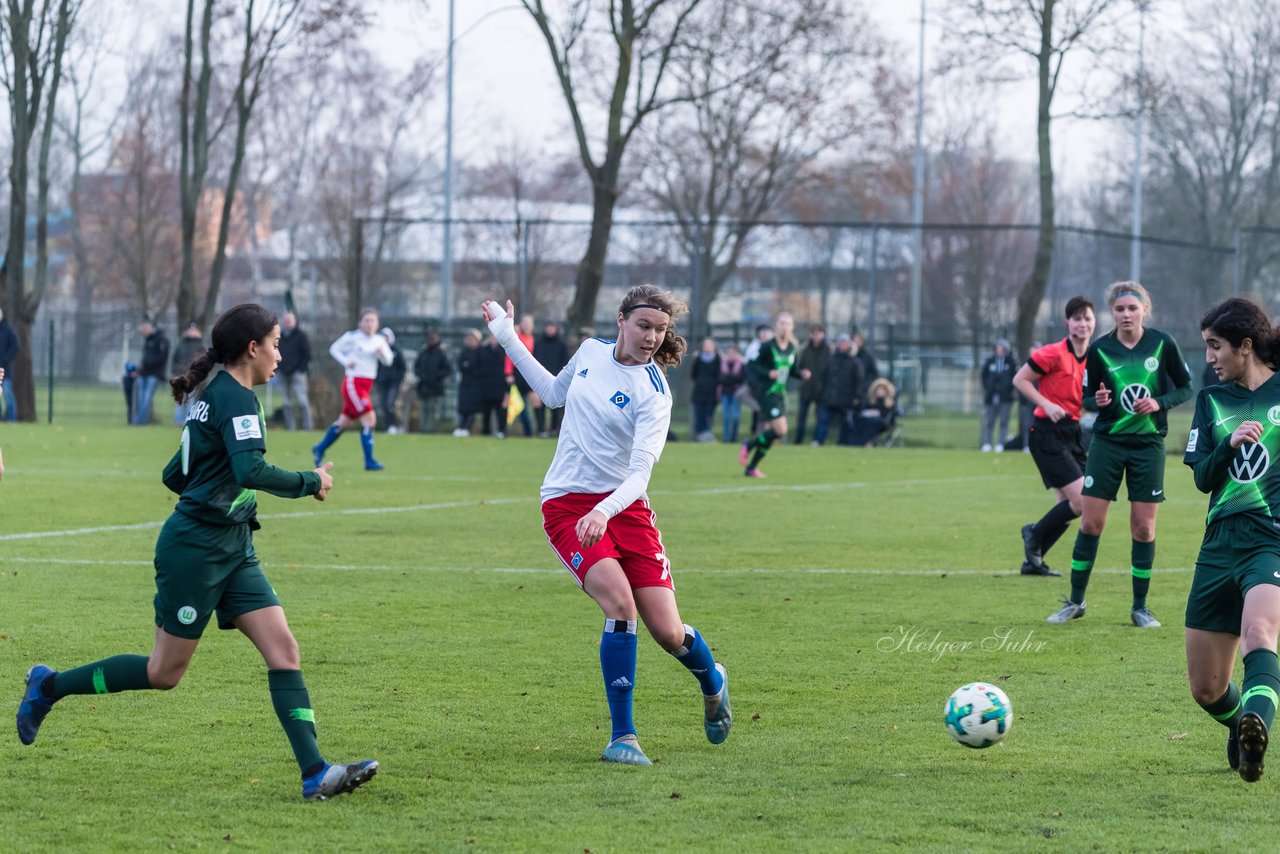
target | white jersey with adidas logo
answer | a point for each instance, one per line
(610, 410)
(359, 353)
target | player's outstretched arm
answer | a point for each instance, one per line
(502, 324)
(252, 471)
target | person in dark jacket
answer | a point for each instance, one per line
(870, 370)
(493, 388)
(705, 373)
(811, 365)
(10, 344)
(841, 387)
(997, 395)
(733, 373)
(388, 381)
(552, 353)
(154, 367)
(190, 345)
(432, 369)
(295, 360)
(470, 390)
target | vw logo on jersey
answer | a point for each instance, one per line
(1132, 394)
(620, 400)
(1151, 363)
(1273, 415)
(1250, 463)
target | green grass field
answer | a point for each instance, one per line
(440, 636)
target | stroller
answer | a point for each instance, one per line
(877, 422)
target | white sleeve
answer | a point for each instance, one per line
(338, 349)
(384, 353)
(551, 390)
(637, 481)
(652, 426)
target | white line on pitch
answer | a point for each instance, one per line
(480, 502)
(532, 570)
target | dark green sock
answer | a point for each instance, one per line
(117, 673)
(1225, 708)
(1143, 556)
(1082, 558)
(293, 708)
(1261, 685)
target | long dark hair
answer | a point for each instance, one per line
(231, 336)
(673, 346)
(1237, 318)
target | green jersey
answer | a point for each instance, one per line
(1151, 368)
(1239, 480)
(219, 462)
(772, 357)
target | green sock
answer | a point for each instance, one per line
(1143, 556)
(118, 673)
(1261, 685)
(1082, 558)
(1225, 709)
(293, 708)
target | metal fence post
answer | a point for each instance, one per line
(870, 337)
(50, 379)
(1235, 285)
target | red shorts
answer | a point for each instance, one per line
(355, 396)
(631, 537)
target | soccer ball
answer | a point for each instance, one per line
(978, 714)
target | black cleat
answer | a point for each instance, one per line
(1029, 569)
(1233, 745)
(1031, 547)
(1251, 733)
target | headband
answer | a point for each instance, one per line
(1133, 294)
(665, 311)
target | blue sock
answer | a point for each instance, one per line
(330, 436)
(366, 442)
(696, 655)
(618, 664)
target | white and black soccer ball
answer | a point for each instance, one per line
(978, 714)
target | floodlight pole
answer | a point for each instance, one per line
(446, 264)
(917, 198)
(1135, 244)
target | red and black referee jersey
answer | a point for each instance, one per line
(1061, 376)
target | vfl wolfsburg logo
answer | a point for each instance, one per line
(1250, 464)
(1273, 415)
(1151, 363)
(1132, 394)
(186, 615)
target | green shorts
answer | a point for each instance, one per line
(772, 405)
(1239, 551)
(201, 568)
(1141, 464)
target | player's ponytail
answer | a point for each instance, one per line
(231, 336)
(650, 296)
(1237, 318)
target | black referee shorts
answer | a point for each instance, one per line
(1058, 451)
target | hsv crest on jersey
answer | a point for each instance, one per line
(1250, 463)
(620, 400)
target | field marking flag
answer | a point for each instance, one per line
(515, 405)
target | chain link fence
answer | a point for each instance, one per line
(930, 340)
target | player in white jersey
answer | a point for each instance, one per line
(359, 352)
(594, 509)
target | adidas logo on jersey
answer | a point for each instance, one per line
(621, 682)
(582, 373)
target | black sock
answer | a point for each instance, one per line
(1053, 525)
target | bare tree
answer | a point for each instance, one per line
(266, 29)
(994, 34)
(33, 42)
(724, 158)
(612, 59)
(1215, 134)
